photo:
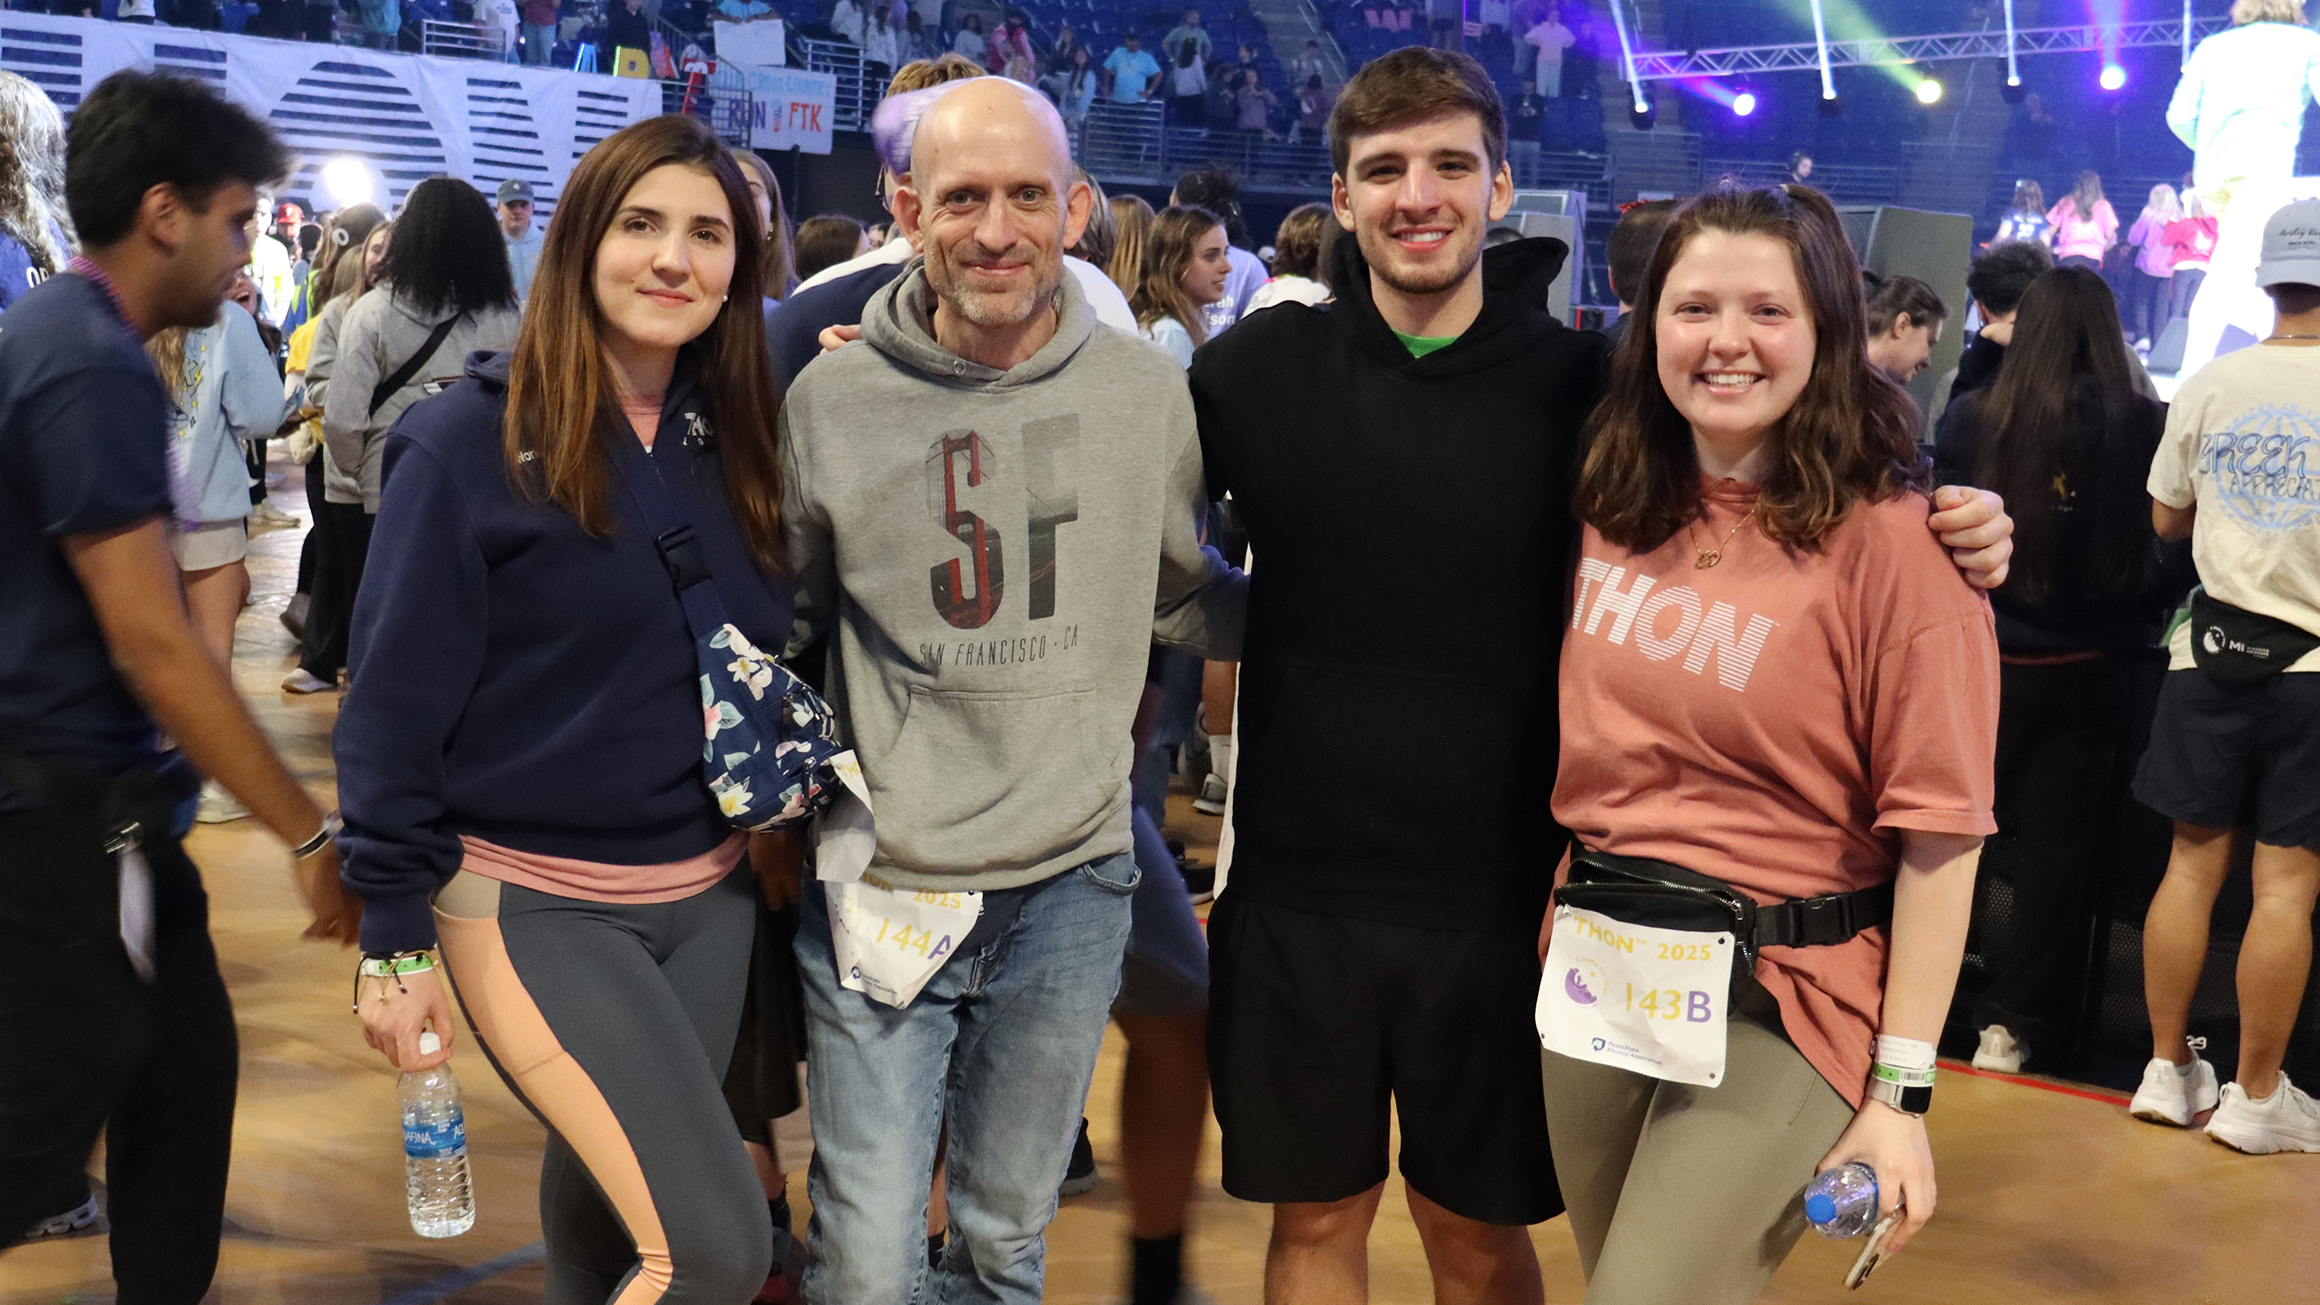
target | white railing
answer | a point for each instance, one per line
(856, 96)
(462, 40)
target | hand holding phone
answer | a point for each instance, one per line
(1873, 1254)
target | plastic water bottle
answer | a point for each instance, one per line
(435, 1149)
(1842, 1202)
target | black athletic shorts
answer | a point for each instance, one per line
(1319, 1025)
(2225, 758)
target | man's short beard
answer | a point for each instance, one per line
(1382, 268)
(1007, 308)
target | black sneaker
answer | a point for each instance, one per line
(1079, 1177)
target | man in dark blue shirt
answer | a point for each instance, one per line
(113, 1016)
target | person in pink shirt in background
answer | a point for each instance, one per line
(2146, 307)
(2085, 227)
(2190, 241)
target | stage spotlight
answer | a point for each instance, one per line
(2113, 77)
(1929, 91)
(2011, 92)
(1831, 106)
(1744, 104)
(1641, 118)
(347, 181)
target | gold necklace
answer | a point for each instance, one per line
(1710, 556)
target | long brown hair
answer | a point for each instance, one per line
(1132, 218)
(2066, 377)
(1850, 435)
(778, 264)
(2086, 194)
(561, 405)
(1168, 252)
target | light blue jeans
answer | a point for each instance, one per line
(1001, 1044)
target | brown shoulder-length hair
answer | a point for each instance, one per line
(1851, 434)
(1168, 250)
(561, 405)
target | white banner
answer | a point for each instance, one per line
(793, 109)
(759, 43)
(406, 117)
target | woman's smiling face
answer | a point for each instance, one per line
(1736, 336)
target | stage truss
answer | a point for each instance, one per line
(1804, 56)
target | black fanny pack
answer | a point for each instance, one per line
(150, 800)
(1638, 890)
(2238, 648)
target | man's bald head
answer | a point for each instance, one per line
(992, 200)
(986, 114)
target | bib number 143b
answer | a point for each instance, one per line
(1633, 997)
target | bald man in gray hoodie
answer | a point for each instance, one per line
(993, 498)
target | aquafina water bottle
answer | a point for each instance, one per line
(1842, 1202)
(435, 1148)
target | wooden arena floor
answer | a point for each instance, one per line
(2048, 1195)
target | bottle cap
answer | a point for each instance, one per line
(429, 1044)
(1820, 1207)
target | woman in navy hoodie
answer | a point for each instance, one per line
(520, 756)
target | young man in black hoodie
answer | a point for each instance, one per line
(1405, 460)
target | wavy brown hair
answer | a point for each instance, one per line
(561, 404)
(1168, 252)
(1850, 435)
(1131, 227)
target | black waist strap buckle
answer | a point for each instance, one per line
(1824, 921)
(681, 554)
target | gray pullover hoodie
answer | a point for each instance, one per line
(998, 552)
(381, 332)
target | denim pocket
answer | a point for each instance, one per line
(1118, 874)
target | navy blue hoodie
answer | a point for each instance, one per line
(515, 678)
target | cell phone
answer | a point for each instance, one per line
(1874, 1253)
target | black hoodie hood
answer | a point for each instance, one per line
(1515, 279)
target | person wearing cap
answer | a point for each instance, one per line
(523, 238)
(2238, 727)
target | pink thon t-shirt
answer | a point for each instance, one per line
(1777, 721)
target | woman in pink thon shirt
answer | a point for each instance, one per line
(1774, 678)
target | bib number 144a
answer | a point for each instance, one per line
(1633, 997)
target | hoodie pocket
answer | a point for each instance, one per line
(996, 780)
(1387, 765)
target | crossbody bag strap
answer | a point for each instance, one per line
(674, 538)
(402, 375)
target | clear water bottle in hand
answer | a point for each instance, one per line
(1842, 1202)
(435, 1148)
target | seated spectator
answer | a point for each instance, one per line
(1185, 270)
(2234, 743)
(2064, 437)
(969, 43)
(1073, 87)
(1133, 72)
(1905, 317)
(827, 241)
(1296, 259)
(1627, 256)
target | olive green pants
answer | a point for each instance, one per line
(1691, 1194)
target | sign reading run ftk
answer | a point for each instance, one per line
(791, 109)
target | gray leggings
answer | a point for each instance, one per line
(1691, 1194)
(614, 1024)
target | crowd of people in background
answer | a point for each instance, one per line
(504, 429)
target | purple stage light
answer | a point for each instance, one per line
(2113, 77)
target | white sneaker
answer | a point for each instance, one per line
(1211, 799)
(2000, 1051)
(68, 1223)
(305, 681)
(2288, 1120)
(2171, 1095)
(266, 514)
(217, 806)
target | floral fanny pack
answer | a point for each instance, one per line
(770, 751)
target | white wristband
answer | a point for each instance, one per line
(1904, 1053)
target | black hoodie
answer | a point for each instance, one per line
(1411, 531)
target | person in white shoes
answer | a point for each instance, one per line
(2239, 714)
